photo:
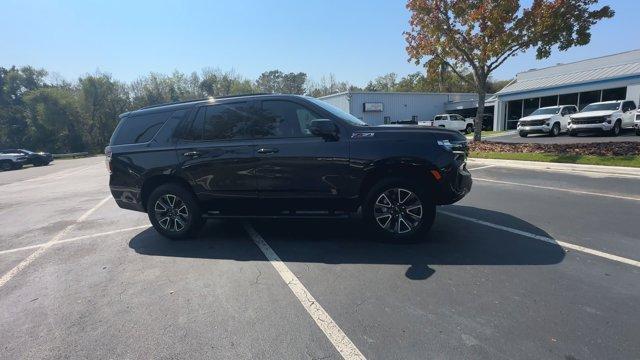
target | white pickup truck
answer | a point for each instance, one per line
(550, 120)
(606, 116)
(450, 121)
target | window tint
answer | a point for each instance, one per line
(439, 117)
(628, 105)
(138, 129)
(222, 122)
(283, 119)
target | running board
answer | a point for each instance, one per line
(282, 215)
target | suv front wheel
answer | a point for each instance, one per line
(174, 212)
(399, 211)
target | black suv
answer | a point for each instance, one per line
(281, 156)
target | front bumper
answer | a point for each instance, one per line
(542, 129)
(590, 127)
(456, 182)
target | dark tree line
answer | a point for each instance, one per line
(60, 116)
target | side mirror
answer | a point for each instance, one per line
(324, 128)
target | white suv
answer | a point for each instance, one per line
(609, 116)
(452, 122)
(549, 120)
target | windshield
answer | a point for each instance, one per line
(602, 106)
(546, 111)
(337, 112)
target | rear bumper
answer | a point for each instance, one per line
(127, 198)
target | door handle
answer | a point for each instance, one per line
(267, 151)
(192, 154)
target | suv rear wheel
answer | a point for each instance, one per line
(6, 165)
(174, 211)
(468, 129)
(399, 211)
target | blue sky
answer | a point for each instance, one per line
(356, 40)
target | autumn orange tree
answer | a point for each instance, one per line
(478, 36)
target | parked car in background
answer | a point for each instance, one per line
(281, 156)
(606, 116)
(33, 158)
(11, 160)
(453, 122)
(550, 120)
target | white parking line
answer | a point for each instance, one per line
(482, 167)
(36, 254)
(560, 189)
(549, 240)
(338, 338)
(84, 237)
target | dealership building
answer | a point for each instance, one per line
(612, 77)
(377, 108)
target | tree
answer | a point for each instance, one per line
(100, 100)
(384, 83)
(275, 81)
(480, 35)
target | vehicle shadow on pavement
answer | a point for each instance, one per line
(451, 241)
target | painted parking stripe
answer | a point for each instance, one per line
(482, 167)
(560, 189)
(546, 239)
(36, 254)
(338, 338)
(77, 238)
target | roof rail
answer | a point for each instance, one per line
(203, 99)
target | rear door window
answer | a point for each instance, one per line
(138, 129)
(283, 119)
(225, 122)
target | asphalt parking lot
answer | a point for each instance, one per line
(532, 264)
(564, 138)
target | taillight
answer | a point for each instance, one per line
(107, 159)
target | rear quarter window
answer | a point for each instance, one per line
(138, 129)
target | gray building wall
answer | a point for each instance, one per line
(396, 106)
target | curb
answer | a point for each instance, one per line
(564, 167)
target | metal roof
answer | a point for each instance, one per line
(603, 68)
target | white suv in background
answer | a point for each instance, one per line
(549, 120)
(11, 160)
(609, 116)
(453, 122)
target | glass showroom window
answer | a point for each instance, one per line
(549, 101)
(588, 97)
(614, 94)
(530, 105)
(514, 113)
(568, 99)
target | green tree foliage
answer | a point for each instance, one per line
(275, 81)
(481, 35)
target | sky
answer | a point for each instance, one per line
(357, 40)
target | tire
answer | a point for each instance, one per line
(573, 133)
(555, 130)
(468, 129)
(6, 165)
(523, 134)
(16, 166)
(617, 127)
(183, 216)
(412, 217)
